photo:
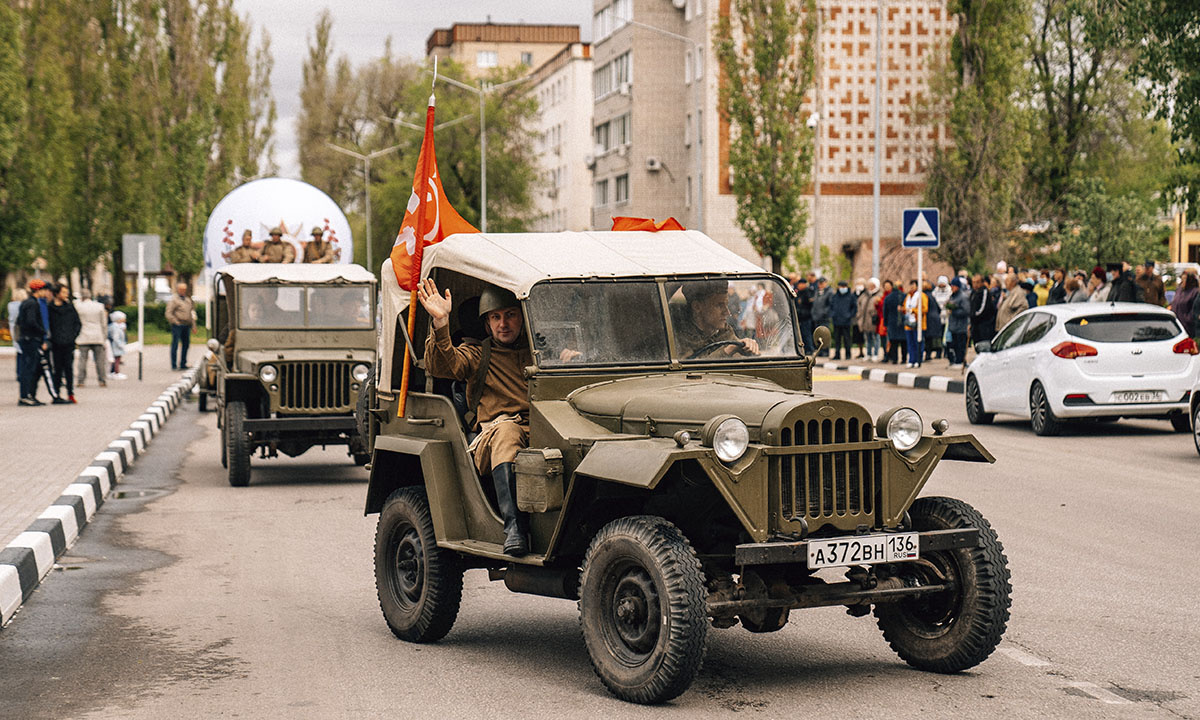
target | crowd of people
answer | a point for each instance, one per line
(893, 322)
(48, 328)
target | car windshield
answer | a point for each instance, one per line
(597, 323)
(739, 319)
(1123, 328)
(277, 307)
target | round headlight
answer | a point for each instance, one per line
(728, 436)
(360, 372)
(902, 427)
(268, 373)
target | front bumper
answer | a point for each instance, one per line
(785, 553)
(282, 426)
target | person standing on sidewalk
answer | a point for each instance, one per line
(804, 312)
(893, 320)
(33, 321)
(916, 308)
(181, 314)
(93, 328)
(64, 329)
(842, 307)
(116, 342)
(14, 308)
(868, 318)
(958, 308)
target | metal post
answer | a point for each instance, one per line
(482, 161)
(141, 304)
(817, 159)
(878, 145)
(699, 139)
(367, 200)
(920, 296)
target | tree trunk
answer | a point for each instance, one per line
(777, 265)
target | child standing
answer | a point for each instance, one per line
(116, 340)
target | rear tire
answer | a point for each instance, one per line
(1196, 427)
(974, 400)
(958, 629)
(1180, 422)
(1041, 416)
(238, 444)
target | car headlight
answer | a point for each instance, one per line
(728, 436)
(268, 373)
(360, 372)
(902, 426)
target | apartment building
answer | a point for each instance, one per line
(563, 88)
(481, 47)
(658, 86)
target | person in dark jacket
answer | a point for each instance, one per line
(64, 328)
(893, 320)
(804, 312)
(842, 308)
(33, 323)
(1151, 284)
(934, 327)
(821, 297)
(983, 311)
(958, 311)
(1058, 291)
(1124, 287)
(1031, 298)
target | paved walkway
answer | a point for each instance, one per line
(42, 449)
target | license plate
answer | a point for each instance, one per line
(863, 550)
(1137, 396)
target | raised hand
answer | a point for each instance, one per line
(435, 304)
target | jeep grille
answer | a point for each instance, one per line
(824, 486)
(308, 386)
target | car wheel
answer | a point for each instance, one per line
(237, 443)
(950, 631)
(642, 609)
(1180, 422)
(974, 399)
(419, 584)
(1041, 417)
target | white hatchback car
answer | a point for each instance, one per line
(1102, 361)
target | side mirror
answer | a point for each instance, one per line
(821, 339)
(983, 346)
(213, 344)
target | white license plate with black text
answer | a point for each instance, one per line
(1138, 396)
(863, 550)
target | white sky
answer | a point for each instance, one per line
(360, 28)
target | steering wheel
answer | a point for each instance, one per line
(717, 344)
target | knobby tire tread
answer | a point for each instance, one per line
(238, 442)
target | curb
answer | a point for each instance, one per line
(940, 383)
(32, 554)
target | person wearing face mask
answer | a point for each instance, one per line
(1124, 287)
(1042, 287)
(842, 308)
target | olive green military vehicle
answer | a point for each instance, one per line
(291, 348)
(670, 487)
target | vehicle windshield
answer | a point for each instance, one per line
(280, 307)
(623, 322)
(1128, 327)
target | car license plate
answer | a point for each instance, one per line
(1137, 396)
(863, 550)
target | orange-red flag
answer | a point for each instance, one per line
(428, 219)
(648, 224)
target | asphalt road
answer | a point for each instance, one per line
(188, 598)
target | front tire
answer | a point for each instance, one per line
(1041, 416)
(974, 399)
(419, 584)
(643, 609)
(239, 448)
(958, 629)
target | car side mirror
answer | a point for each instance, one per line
(983, 346)
(213, 344)
(821, 339)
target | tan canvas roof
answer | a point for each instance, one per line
(295, 272)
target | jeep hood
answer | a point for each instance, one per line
(689, 399)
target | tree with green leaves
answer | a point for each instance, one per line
(766, 51)
(1102, 228)
(974, 180)
(14, 247)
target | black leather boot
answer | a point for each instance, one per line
(515, 522)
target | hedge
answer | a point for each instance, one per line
(156, 315)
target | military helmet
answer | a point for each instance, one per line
(495, 298)
(276, 231)
(317, 230)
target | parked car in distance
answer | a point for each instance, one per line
(1056, 363)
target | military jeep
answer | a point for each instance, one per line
(671, 488)
(292, 346)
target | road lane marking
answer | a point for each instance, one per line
(1023, 657)
(1099, 693)
(834, 378)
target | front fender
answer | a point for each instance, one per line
(639, 463)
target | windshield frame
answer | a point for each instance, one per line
(305, 286)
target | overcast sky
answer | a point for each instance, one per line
(360, 28)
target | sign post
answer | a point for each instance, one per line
(149, 257)
(921, 229)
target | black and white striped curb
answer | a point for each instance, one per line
(904, 379)
(32, 554)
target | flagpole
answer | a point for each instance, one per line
(412, 297)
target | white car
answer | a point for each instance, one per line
(1102, 361)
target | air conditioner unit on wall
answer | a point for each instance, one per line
(679, 4)
(653, 164)
(624, 88)
(622, 150)
(589, 160)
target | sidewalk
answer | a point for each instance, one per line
(44, 448)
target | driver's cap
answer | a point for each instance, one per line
(495, 298)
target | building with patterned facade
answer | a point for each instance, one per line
(656, 92)
(480, 47)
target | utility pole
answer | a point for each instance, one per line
(366, 161)
(878, 139)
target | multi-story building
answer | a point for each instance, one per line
(656, 93)
(563, 88)
(482, 47)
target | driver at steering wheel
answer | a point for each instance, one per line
(702, 328)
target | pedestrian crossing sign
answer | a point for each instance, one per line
(921, 228)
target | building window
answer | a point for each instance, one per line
(602, 193)
(687, 130)
(699, 63)
(603, 137)
(622, 69)
(612, 76)
(526, 58)
(486, 59)
(687, 199)
(611, 19)
(622, 130)
(621, 189)
(687, 68)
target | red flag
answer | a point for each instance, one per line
(629, 223)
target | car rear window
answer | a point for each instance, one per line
(1127, 327)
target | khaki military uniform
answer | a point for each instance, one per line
(278, 252)
(243, 254)
(503, 401)
(318, 251)
(689, 337)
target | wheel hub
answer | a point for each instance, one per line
(409, 563)
(635, 611)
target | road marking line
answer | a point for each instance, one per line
(1023, 657)
(824, 378)
(1100, 693)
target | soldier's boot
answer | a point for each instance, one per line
(516, 523)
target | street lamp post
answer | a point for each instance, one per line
(366, 161)
(695, 46)
(878, 141)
